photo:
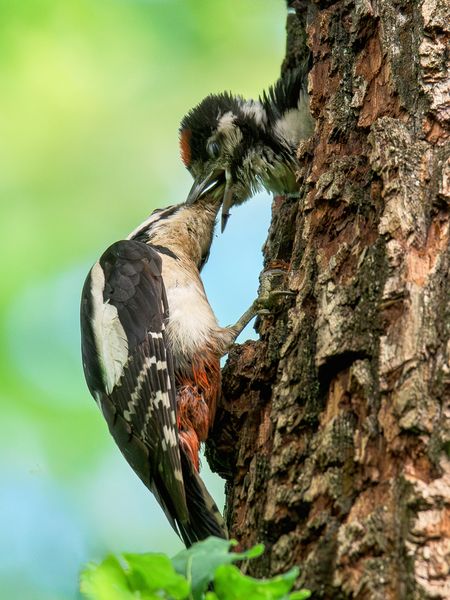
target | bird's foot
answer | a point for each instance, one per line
(267, 299)
(271, 290)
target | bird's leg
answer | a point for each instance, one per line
(264, 303)
(242, 322)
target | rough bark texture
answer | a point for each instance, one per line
(334, 429)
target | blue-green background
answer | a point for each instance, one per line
(91, 94)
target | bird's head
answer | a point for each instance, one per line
(232, 146)
(221, 141)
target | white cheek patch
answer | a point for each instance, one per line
(226, 123)
(109, 335)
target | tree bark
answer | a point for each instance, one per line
(334, 428)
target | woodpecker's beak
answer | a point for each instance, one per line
(203, 185)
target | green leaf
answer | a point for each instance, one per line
(231, 584)
(254, 552)
(154, 573)
(199, 563)
(106, 581)
(300, 595)
(146, 576)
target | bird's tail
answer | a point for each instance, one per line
(204, 516)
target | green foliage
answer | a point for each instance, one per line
(199, 563)
(187, 576)
(146, 576)
(231, 584)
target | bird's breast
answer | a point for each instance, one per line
(191, 322)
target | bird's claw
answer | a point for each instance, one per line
(272, 282)
(267, 300)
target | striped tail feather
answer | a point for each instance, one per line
(204, 516)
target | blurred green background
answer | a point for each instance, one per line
(91, 95)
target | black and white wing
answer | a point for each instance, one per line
(129, 367)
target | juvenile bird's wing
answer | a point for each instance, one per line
(287, 107)
(129, 367)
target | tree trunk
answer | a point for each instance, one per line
(334, 428)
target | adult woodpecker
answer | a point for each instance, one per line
(237, 146)
(151, 346)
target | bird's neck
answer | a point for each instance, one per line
(188, 231)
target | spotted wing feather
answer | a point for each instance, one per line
(129, 367)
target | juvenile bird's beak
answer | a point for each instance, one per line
(203, 185)
(227, 202)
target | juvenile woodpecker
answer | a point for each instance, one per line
(151, 346)
(236, 146)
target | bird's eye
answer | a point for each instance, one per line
(213, 149)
